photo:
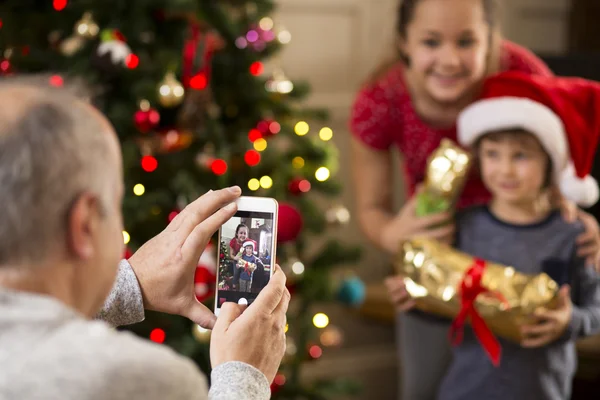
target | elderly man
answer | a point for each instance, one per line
(60, 243)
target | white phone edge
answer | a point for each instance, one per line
(258, 204)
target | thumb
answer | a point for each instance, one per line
(201, 315)
(229, 313)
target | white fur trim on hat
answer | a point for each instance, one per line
(502, 113)
(583, 191)
(248, 243)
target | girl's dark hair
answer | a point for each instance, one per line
(405, 15)
(238, 229)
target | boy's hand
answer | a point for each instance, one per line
(551, 323)
(399, 296)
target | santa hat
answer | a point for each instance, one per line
(563, 113)
(248, 243)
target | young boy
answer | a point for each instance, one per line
(521, 133)
(247, 265)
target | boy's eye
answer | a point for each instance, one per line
(490, 153)
(466, 42)
(431, 42)
(521, 156)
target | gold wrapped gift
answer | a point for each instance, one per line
(446, 174)
(434, 272)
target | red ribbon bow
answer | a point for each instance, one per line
(470, 288)
(209, 43)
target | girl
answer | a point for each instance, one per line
(446, 49)
(235, 253)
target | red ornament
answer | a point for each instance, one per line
(5, 67)
(218, 167)
(263, 126)
(289, 223)
(315, 351)
(149, 163)
(278, 382)
(59, 5)
(132, 61)
(158, 335)
(254, 135)
(298, 186)
(127, 253)
(252, 157)
(199, 81)
(274, 127)
(256, 68)
(204, 283)
(56, 80)
(172, 215)
(0, 23)
(146, 120)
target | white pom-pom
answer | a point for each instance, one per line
(583, 191)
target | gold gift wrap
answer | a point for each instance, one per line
(433, 273)
(446, 174)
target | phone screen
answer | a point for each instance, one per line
(245, 261)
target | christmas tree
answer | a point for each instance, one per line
(186, 86)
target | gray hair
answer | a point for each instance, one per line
(53, 150)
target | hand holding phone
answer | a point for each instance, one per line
(246, 251)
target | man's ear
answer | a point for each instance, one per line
(82, 225)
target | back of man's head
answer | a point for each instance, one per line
(53, 147)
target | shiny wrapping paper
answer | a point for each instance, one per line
(446, 174)
(435, 274)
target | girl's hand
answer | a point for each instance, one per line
(399, 296)
(406, 225)
(551, 324)
(588, 243)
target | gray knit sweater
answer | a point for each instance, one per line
(49, 351)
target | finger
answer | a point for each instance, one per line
(394, 282)
(586, 237)
(433, 220)
(589, 250)
(537, 341)
(199, 236)
(201, 315)
(283, 305)
(202, 208)
(439, 233)
(407, 305)
(229, 312)
(270, 297)
(535, 330)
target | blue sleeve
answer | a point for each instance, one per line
(585, 293)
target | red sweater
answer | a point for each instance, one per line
(383, 116)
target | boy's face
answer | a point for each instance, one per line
(248, 250)
(513, 166)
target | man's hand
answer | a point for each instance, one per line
(551, 324)
(255, 336)
(166, 264)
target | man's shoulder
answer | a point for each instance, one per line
(131, 362)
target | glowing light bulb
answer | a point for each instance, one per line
(322, 174)
(126, 237)
(139, 189)
(266, 182)
(320, 320)
(301, 128)
(253, 184)
(298, 162)
(325, 134)
(266, 24)
(298, 268)
(260, 144)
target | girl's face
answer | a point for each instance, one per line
(242, 234)
(248, 250)
(447, 43)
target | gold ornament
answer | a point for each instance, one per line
(433, 273)
(447, 172)
(86, 27)
(170, 91)
(337, 215)
(202, 335)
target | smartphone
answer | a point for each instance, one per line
(246, 251)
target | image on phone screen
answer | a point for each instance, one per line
(245, 256)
